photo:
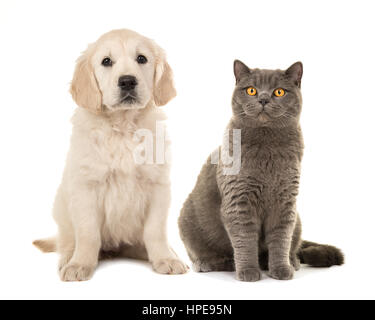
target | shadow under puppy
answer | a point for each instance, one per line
(247, 221)
(107, 201)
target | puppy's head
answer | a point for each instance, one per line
(122, 70)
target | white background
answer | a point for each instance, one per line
(40, 41)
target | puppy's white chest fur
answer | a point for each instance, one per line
(123, 187)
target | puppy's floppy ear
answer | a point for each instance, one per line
(164, 89)
(84, 87)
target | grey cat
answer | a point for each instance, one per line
(248, 221)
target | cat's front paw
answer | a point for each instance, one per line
(249, 275)
(282, 272)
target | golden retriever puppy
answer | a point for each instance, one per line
(108, 200)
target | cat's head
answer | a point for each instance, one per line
(270, 98)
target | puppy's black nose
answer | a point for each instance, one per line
(127, 83)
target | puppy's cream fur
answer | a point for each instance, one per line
(107, 202)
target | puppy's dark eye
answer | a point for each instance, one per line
(141, 59)
(107, 62)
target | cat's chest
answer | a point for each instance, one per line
(267, 172)
(270, 151)
(268, 158)
(265, 169)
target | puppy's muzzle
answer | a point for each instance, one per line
(127, 83)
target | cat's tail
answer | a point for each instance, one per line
(320, 255)
(46, 245)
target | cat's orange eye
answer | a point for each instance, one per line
(251, 91)
(279, 92)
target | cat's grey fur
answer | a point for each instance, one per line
(248, 222)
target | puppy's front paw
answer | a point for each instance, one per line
(76, 272)
(170, 266)
(64, 260)
(282, 272)
(249, 275)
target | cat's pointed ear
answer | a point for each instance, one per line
(294, 72)
(240, 69)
